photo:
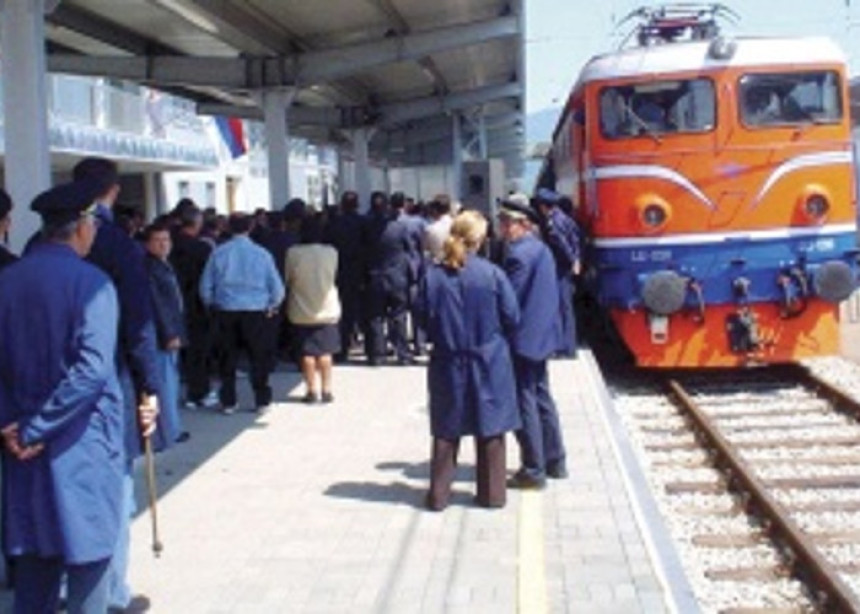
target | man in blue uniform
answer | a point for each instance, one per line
(118, 255)
(346, 233)
(61, 412)
(388, 283)
(530, 267)
(6, 257)
(562, 237)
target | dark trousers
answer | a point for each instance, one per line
(387, 304)
(350, 301)
(195, 359)
(256, 333)
(419, 335)
(567, 346)
(541, 445)
(37, 586)
(489, 473)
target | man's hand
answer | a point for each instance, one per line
(576, 268)
(147, 412)
(13, 444)
(173, 344)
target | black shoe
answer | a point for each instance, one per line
(327, 397)
(524, 481)
(183, 437)
(138, 605)
(310, 397)
(406, 361)
(558, 472)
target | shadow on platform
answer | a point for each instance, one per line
(210, 432)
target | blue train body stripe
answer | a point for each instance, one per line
(759, 257)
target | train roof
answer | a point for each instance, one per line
(691, 56)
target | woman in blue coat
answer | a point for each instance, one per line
(470, 311)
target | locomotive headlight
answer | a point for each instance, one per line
(653, 213)
(813, 204)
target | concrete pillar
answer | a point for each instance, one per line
(457, 159)
(343, 183)
(360, 139)
(151, 201)
(25, 103)
(275, 106)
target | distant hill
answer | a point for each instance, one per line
(540, 124)
(539, 127)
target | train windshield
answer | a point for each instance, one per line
(656, 108)
(774, 99)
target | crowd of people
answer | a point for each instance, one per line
(132, 311)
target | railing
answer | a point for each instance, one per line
(93, 116)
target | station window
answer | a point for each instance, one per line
(790, 98)
(657, 107)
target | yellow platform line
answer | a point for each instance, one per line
(531, 576)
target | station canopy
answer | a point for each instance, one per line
(404, 67)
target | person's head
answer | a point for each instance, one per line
(156, 238)
(129, 218)
(103, 173)
(68, 214)
(349, 201)
(515, 217)
(261, 219)
(546, 200)
(397, 201)
(5, 213)
(758, 99)
(468, 231)
(190, 221)
(378, 202)
(240, 224)
(312, 230)
(439, 206)
(294, 212)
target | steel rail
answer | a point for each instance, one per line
(809, 563)
(840, 400)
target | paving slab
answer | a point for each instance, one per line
(318, 508)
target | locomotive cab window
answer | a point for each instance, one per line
(657, 108)
(790, 98)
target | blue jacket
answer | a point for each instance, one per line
(531, 270)
(562, 237)
(470, 315)
(241, 276)
(118, 255)
(6, 257)
(388, 252)
(166, 301)
(60, 385)
(346, 233)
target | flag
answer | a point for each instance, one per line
(233, 134)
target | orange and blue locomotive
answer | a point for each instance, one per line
(713, 181)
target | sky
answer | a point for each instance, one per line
(561, 35)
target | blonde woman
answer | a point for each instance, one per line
(470, 310)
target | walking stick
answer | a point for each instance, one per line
(150, 483)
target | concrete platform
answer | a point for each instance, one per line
(319, 509)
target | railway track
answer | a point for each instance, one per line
(758, 473)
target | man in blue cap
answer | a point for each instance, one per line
(531, 270)
(562, 236)
(61, 412)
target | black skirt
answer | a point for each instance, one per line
(316, 340)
